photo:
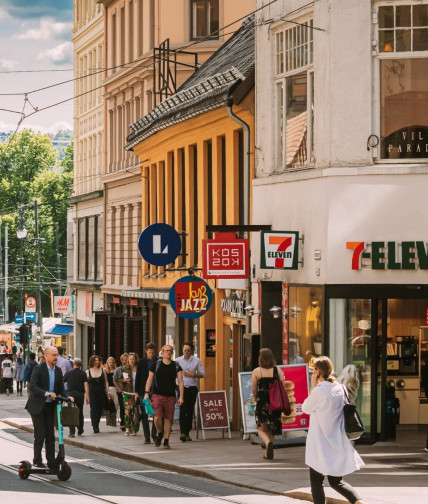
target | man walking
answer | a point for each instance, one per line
(116, 374)
(29, 367)
(7, 374)
(46, 383)
(192, 370)
(163, 374)
(143, 368)
(78, 386)
(63, 363)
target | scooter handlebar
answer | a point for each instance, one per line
(62, 398)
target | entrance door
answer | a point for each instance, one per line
(352, 342)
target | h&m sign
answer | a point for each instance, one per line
(378, 255)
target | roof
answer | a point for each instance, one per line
(207, 89)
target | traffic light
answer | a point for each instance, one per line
(24, 332)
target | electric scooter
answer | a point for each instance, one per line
(60, 468)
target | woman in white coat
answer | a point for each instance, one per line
(328, 450)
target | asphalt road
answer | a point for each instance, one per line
(107, 479)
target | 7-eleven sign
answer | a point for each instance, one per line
(279, 249)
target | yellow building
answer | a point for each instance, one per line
(193, 163)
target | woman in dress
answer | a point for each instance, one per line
(18, 375)
(98, 389)
(268, 422)
(110, 369)
(127, 384)
(329, 452)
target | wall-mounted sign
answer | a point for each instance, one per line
(225, 257)
(62, 304)
(411, 142)
(210, 347)
(233, 304)
(133, 302)
(116, 300)
(280, 249)
(159, 244)
(190, 297)
(378, 255)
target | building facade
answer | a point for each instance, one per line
(341, 156)
(86, 218)
(151, 48)
(193, 161)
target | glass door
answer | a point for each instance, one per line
(351, 348)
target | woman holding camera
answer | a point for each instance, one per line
(328, 450)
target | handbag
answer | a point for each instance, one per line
(278, 398)
(148, 407)
(354, 426)
(70, 415)
(109, 405)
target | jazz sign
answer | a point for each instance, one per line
(190, 297)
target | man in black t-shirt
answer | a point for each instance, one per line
(78, 386)
(163, 374)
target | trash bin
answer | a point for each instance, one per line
(392, 410)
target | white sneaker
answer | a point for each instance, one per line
(7, 392)
(426, 448)
(127, 432)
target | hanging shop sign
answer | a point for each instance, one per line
(63, 304)
(159, 244)
(379, 255)
(225, 257)
(190, 297)
(279, 250)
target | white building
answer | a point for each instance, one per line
(342, 158)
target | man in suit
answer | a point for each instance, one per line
(143, 367)
(45, 384)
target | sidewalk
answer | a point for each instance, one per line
(395, 472)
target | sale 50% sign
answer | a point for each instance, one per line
(213, 410)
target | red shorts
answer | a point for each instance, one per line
(164, 406)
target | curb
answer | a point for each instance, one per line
(176, 468)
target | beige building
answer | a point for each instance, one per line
(151, 48)
(86, 217)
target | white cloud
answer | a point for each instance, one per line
(7, 64)
(49, 28)
(62, 53)
(52, 129)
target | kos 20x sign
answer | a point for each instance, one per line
(407, 255)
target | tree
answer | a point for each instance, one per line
(29, 170)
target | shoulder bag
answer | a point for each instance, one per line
(278, 398)
(354, 427)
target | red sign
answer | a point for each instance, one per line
(116, 300)
(133, 302)
(426, 317)
(225, 257)
(284, 323)
(190, 297)
(297, 387)
(213, 408)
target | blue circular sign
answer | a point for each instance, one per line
(190, 297)
(159, 244)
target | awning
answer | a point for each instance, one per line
(61, 329)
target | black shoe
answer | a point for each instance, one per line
(96, 430)
(80, 433)
(188, 438)
(122, 428)
(158, 440)
(71, 435)
(147, 440)
(40, 465)
(166, 444)
(183, 438)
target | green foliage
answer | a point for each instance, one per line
(29, 171)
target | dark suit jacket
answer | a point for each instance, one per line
(142, 375)
(39, 385)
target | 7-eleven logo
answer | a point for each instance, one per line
(279, 249)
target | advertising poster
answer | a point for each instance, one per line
(297, 386)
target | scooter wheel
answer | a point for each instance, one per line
(24, 470)
(65, 472)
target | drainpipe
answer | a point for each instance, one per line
(246, 200)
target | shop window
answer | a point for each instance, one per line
(204, 18)
(304, 324)
(294, 96)
(403, 53)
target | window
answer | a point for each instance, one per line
(294, 96)
(204, 18)
(90, 249)
(403, 68)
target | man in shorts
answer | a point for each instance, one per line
(163, 374)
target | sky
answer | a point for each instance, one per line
(35, 35)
